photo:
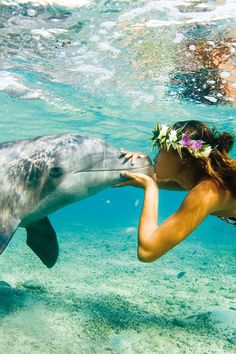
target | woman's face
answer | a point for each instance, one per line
(167, 165)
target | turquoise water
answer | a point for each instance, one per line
(108, 69)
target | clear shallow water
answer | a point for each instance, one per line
(112, 69)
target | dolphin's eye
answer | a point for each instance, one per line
(56, 172)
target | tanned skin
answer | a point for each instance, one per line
(205, 197)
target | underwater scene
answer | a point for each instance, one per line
(112, 70)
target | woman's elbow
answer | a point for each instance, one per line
(146, 256)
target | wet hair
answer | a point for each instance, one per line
(218, 164)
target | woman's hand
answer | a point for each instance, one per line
(136, 179)
(132, 155)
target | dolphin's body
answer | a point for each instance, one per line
(39, 176)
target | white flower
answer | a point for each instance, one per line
(173, 135)
(206, 152)
(163, 131)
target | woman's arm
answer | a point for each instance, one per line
(155, 240)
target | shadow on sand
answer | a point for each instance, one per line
(99, 314)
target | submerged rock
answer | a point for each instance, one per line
(32, 284)
(222, 320)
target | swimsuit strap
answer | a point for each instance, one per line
(230, 220)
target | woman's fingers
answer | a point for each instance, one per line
(136, 155)
(134, 179)
(133, 155)
(130, 182)
(122, 184)
(128, 155)
(139, 179)
(128, 174)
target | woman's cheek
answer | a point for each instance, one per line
(159, 172)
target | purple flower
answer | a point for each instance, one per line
(196, 144)
(186, 141)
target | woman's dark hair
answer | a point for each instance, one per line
(218, 164)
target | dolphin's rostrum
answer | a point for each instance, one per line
(41, 175)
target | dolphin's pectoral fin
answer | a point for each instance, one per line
(8, 226)
(42, 239)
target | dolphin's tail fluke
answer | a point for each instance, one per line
(42, 239)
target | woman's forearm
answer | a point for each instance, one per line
(148, 219)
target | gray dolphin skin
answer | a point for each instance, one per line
(41, 175)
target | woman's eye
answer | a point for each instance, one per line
(56, 172)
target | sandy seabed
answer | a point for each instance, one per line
(99, 298)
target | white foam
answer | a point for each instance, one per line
(178, 38)
(33, 95)
(93, 70)
(105, 46)
(150, 6)
(108, 24)
(141, 97)
(158, 23)
(94, 38)
(224, 11)
(47, 33)
(211, 99)
(192, 47)
(42, 32)
(100, 74)
(13, 83)
(63, 3)
(175, 17)
(225, 74)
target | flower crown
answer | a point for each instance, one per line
(165, 136)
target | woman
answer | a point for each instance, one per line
(191, 157)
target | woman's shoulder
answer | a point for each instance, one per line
(208, 192)
(215, 186)
(213, 193)
(209, 185)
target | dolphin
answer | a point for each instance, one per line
(41, 175)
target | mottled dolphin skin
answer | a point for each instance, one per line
(41, 175)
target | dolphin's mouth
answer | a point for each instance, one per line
(117, 169)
